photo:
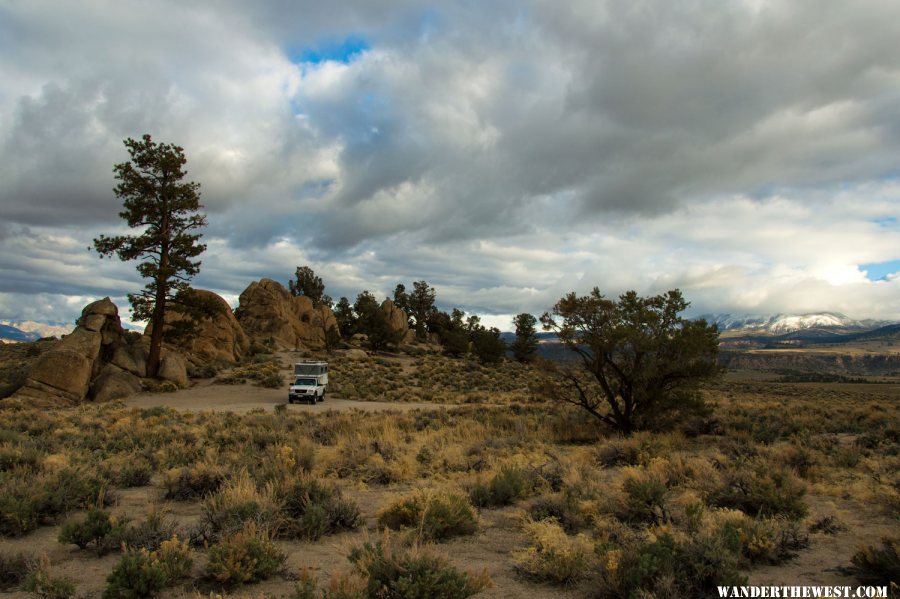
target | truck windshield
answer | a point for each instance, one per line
(306, 382)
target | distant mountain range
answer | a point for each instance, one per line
(28, 330)
(781, 324)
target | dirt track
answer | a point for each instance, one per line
(243, 398)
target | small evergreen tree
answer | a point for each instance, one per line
(488, 346)
(307, 283)
(157, 200)
(374, 323)
(524, 348)
(346, 319)
(421, 304)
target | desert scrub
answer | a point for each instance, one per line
(392, 571)
(635, 450)
(560, 508)
(143, 573)
(97, 528)
(127, 470)
(312, 509)
(13, 569)
(663, 567)
(265, 373)
(26, 502)
(435, 515)
(238, 503)
(193, 482)
(758, 489)
(248, 555)
(509, 485)
(151, 532)
(876, 565)
(39, 581)
(553, 556)
(644, 499)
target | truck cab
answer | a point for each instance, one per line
(310, 382)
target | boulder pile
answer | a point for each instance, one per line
(270, 315)
(98, 361)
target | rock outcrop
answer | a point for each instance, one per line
(398, 321)
(218, 335)
(268, 313)
(98, 360)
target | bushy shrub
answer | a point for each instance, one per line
(559, 508)
(553, 556)
(39, 581)
(175, 558)
(436, 516)
(636, 450)
(13, 569)
(129, 471)
(645, 501)
(193, 482)
(68, 490)
(664, 568)
(97, 527)
(313, 509)
(393, 572)
(135, 575)
(143, 573)
(248, 555)
(876, 565)
(760, 490)
(509, 485)
(151, 532)
(239, 502)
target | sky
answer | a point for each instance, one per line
(746, 152)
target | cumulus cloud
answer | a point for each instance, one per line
(505, 152)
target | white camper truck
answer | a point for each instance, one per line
(310, 380)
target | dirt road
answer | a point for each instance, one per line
(243, 398)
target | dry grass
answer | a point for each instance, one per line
(593, 507)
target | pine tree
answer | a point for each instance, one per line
(157, 200)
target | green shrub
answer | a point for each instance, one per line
(13, 569)
(248, 555)
(135, 472)
(400, 573)
(663, 568)
(41, 583)
(436, 516)
(645, 501)
(505, 488)
(559, 508)
(97, 528)
(876, 565)
(193, 482)
(312, 509)
(144, 573)
(239, 502)
(135, 575)
(150, 533)
(761, 490)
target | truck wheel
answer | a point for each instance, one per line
(290, 399)
(323, 396)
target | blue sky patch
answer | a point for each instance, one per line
(878, 271)
(343, 50)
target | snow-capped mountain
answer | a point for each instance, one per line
(28, 330)
(780, 324)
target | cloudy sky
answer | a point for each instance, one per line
(745, 151)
